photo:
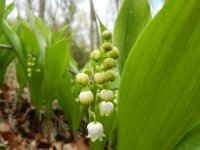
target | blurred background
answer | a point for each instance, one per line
(79, 15)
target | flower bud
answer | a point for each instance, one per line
(106, 95)
(106, 35)
(86, 97)
(111, 75)
(99, 68)
(82, 78)
(29, 70)
(95, 131)
(109, 63)
(88, 72)
(95, 55)
(100, 77)
(107, 46)
(106, 108)
(29, 74)
(114, 53)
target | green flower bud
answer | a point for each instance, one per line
(106, 35)
(29, 70)
(107, 46)
(95, 55)
(86, 97)
(109, 63)
(111, 75)
(114, 53)
(99, 68)
(88, 71)
(82, 78)
(106, 95)
(33, 59)
(100, 77)
(29, 74)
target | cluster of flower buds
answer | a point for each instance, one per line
(30, 64)
(104, 72)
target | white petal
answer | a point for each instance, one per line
(106, 108)
(106, 95)
(95, 131)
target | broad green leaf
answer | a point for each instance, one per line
(191, 140)
(159, 91)
(29, 41)
(44, 29)
(60, 34)
(6, 56)
(57, 58)
(2, 8)
(15, 42)
(35, 87)
(42, 34)
(131, 20)
(68, 103)
(21, 76)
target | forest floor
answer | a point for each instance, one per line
(21, 128)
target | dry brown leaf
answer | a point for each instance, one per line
(70, 147)
(4, 127)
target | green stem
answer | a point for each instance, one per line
(4, 46)
(92, 114)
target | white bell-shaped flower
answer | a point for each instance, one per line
(95, 131)
(106, 95)
(106, 108)
(86, 97)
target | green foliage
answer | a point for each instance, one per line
(2, 7)
(190, 141)
(42, 62)
(161, 105)
(9, 9)
(131, 20)
(60, 34)
(6, 57)
(15, 42)
(54, 69)
(158, 106)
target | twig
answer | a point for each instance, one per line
(6, 46)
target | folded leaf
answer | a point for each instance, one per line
(191, 140)
(131, 20)
(159, 91)
(2, 7)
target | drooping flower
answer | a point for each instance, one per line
(86, 97)
(95, 131)
(106, 95)
(106, 108)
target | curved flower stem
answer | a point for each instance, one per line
(92, 114)
(4, 46)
